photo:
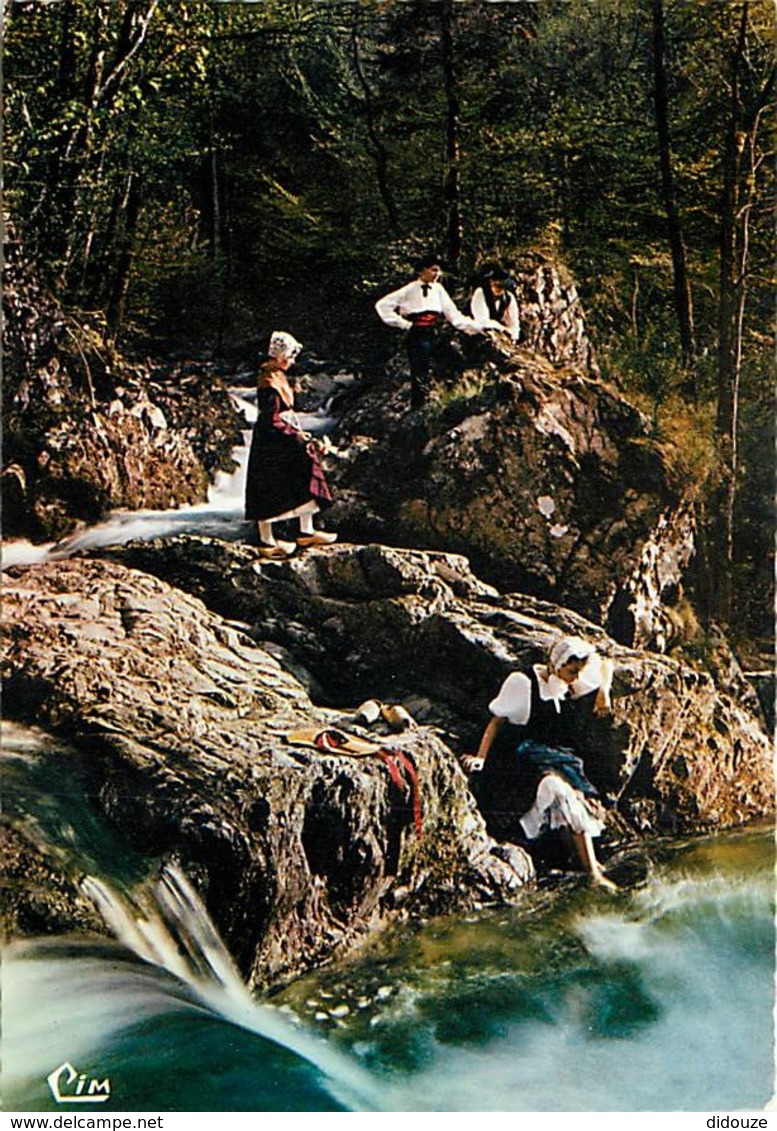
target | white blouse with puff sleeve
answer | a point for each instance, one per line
(513, 701)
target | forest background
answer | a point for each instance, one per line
(194, 175)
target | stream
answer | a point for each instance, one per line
(656, 999)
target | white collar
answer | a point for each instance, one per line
(550, 686)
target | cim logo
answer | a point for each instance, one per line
(69, 1086)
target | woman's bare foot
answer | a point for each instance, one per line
(470, 763)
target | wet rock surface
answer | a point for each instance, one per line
(38, 896)
(678, 755)
(545, 478)
(179, 721)
(86, 430)
(176, 668)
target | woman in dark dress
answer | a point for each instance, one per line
(543, 777)
(284, 478)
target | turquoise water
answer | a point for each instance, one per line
(658, 999)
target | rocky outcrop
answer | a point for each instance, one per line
(552, 319)
(86, 431)
(179, 721)
(38, 896)
(547, 480)
(177, 686)
(678, 755)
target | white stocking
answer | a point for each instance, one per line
(265, 533)
(306, 522)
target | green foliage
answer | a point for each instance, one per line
(755, 516)
(686, 434)
(203, 172)
(282, 136)
(460, 399)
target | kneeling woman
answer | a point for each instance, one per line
(284, 478)
(543, 776)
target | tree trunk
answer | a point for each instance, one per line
(67, 56)
(101, 87)
(452, 186)
(219, 264)
(115, 309)
(729, 335)
(89, 286)
(215, 235)
(682, 286)
(110, 237)
(376, 147)
(77, 150)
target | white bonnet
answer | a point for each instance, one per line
(569, 648)
(283, 345)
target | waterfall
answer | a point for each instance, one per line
(177, 934)
(220, 517)
(657, 999)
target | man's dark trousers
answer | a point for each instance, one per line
(422, 343)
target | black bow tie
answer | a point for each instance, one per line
(425, 289)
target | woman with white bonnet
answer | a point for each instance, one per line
(543, 776)
(284, 478)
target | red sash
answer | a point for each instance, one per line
(425, 319)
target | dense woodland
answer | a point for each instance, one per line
(196, 174)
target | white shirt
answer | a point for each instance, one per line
(411, 299)
(513, 701)
(510, 320)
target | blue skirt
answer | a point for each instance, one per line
(535, 759)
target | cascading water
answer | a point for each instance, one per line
(178, 936)
(165, 1043)
(75, 998)
(658, 999)
(220, 517)
(577, 1000)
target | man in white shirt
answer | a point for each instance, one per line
(493, 305)
(420, 308)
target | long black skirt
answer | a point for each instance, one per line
(282, 476)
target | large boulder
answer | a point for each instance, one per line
(87, 431)
(551, 313)
(546, 479)
(178, 721)
(679, 754)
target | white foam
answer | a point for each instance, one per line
(177, 934)
(219, 515)
(21, 552)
